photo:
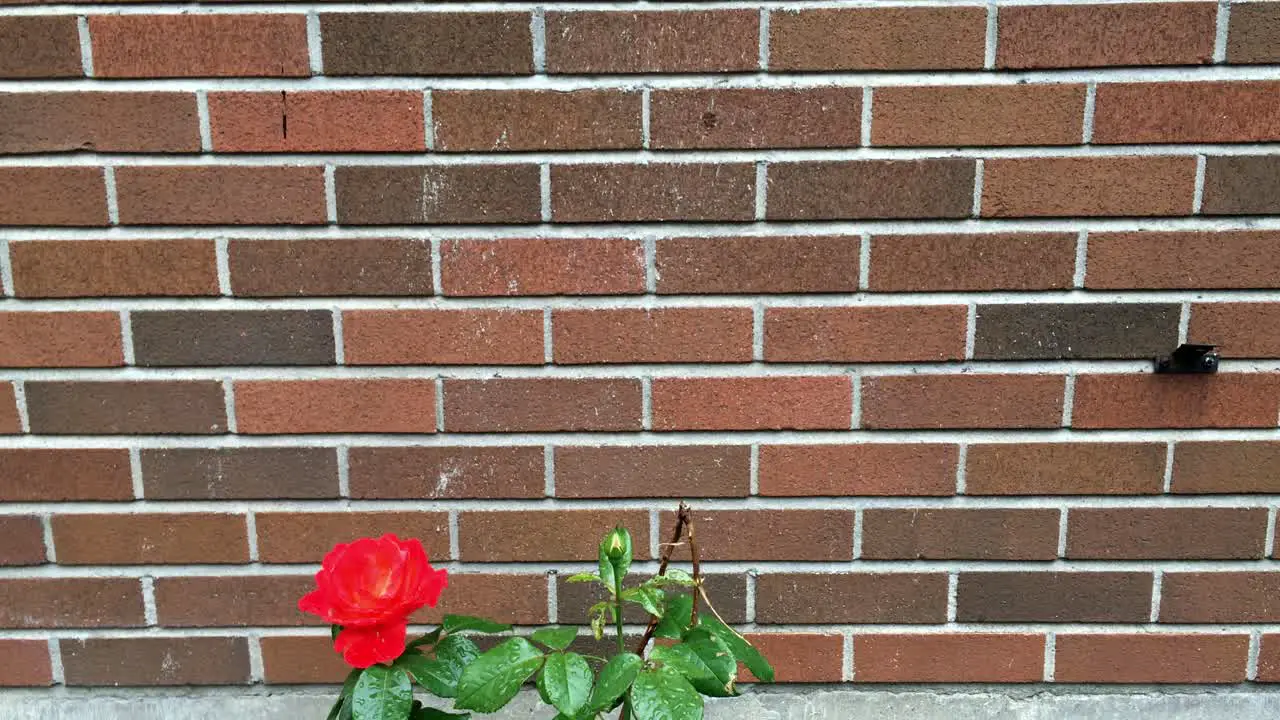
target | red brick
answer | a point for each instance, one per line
(442, 337)
(426, 43)
(264, 45)
(267, 407)
(545, 535)
(1176, 401)
(1183, 112)
(602, 42)
(102, 121)
(315, 266)
(927, 333)
(1249, 330)
(1159, 260)
(150, 539)
(1220, 597)
(962, 401)
(653, 192)
(960, 534)
(60, 339)
(72, 602)
(447, 472)
(862, 469)
(1149, 658)
(1252, 33)
(534, 266)
(950, 658)
(855, 598)
(109, 268)
(521, 120)
(652, 471)
(25, 663)
(775, 264)
(21, 540)
(437, 194)
(74, 196)
(301, 660)
(1082, 468)
(1166, 533)
(127, 407)
(306, 537)
(877, 38)
(872, 189)
(652, 335)
(997, 261)
(1059, 597)
(40, 475)
(222, 195)
(1269, 659)
(1033, 114)
(332, 121)
(542, 405)
(1090, 186)
(35, 46)
(762, 403)
(755, 118)
(800, 657)
(10, 423)
(785, 535)
(156, 661)
(1054, 36)
(1226, 467)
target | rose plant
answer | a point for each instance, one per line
(366, 590)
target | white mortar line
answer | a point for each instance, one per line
(993, 36)
(20, 399)
(1063, 526)
(455, 548)
(753, 471)
(1168, 467)
(750, 610)
(344, 473)
(1156, 589)
(962, 461)
(553, 598)
(46, 528)
(1090, 103)
(655, 529)
(1050, 655)
(149, 612)
(135, 473)
(646, 104)
(970, 330)
(206, 123)
(846, 662)
(1184, 322)
(1197, 198)
(113, 200)
(222, 257)
(1255, 649)
(440, 427)
(864, 262)
(251, 533)
(538, 33)
(1068, 399)
(977, 187)
(229, 400)
(339, 342)
(437, 284)
(953, 594)
(428, 121)
(330, 195)
(1220, 37)
(57, 674)
(646, 402)
(548, 355)
(7, 288)
(257, 670)
(858, 520)
(762, 191)
(865, 129)
(549, 470)
(315, 44)
(650, 265)
(86, 46)
(1082, 260)
(126, 337)
(855, 419)
(1269, 544)
(764, 39)
(757, 332)
(544, 190)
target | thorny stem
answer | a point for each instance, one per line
(684, 526)
(697, 575)
(617, 615)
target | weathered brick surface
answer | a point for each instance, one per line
(629, 336)
(70, 196)
(877, 39)
(447, 472)
(652, 471)
(453, 194)
(40, 339)
(1011, 115)
(492, 121)
(190, 407)
(806, 403)
(1092, 186)
(906, 598)
(156, 661)
(442, 337)
(334, 406)
(926, 534)
(1094, 468)
(23, 537)
(270, 337)
(734, 265)
(1089, 35)
(971, 658)
(71, 603)
(239, 473)
(977, 262)
(647, 193)
(922, 333)
(356, 121)
(103, 121)
(131, 46)
(105, 268)
(638, 42)
(864, 469)
(426, 43)
(221, 195)
(1228, 260)
(941, 188)
(1061, 597)
(605, 266)
(1151, 658)
(366, 266)
(32, 46)
(301, 537)
(819, 117)
(154, 538)
(1166, 533)
(33, 475)
(962, 401)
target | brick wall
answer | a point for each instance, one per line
(876, 285)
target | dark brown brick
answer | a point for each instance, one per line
(39, 46)
(1240, 330)
(728, 593)
(759, 403)
(829, 190)
(221, 195)
(900, 38)
(1075, 331)
(652, 335)
(483, 43)
(150, 539)
(22, 540)
(950, 658)
(521, 120)
(543, 535)
(1220, 597)
(60, 339)
(1082, 35)
(962, 401)
(1186, 112)
(653, 192)
(1091, 468)
(1090, 186)
(1269, 659)
(232, 601)
(921, 333)
(338, 405)
(1147, 658)
(443, 337)
(775, 264)
(1166, 533)
(188, 407)
(1031, 114)
(858, 469)
(542, 266)
(1004, 261)
(10, 423)
(447, 472)
(755, 118)
(301, 660)
(1242, 185)
(101, 121)
(960, 534)
(323, 121)
(74, 196)
(440, 194)
(199, 45)
(243, 473)
(821, 598)
(1176, 401)
(1159, 260)
(542, 405)
(306, 537)
(1073, 597)
(108, 268)
(156, 661)
(652, 471)
(40, 474)
(786, 535)
(1227, 467)
(364, 266)
(38, 603)
(25, 663)
(590, 42)
(1253, 34)
(233, 337)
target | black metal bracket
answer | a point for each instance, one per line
(1187, 359)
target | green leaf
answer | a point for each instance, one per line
(676, 619)
(466, 623)
(738, 645)
(336, 709)
(333, 632)
(382, 693)
(566, 682)
(674, 576)
(706, 661)
(664, 694)
(597, 624)
(439, 675)
(495, 677)
(583, 577)
(556, 638)
(348, 686)
(428, 639)
(615, 678)
(652, 600)
(430, 713)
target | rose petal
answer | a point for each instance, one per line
(365, 646)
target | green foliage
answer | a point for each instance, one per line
(676, 620)
(556, 638)
(495, 677)
(466, 623)
(615, 678)
(382, 693)
(439, 675)
(664, 694)
(651, 599)
(566, 682)
(738, 645)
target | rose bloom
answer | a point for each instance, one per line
(370, 587)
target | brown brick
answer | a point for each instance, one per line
(40, 474)
(835, 189)
(1249, 330)
(1084, 468)
(1166, 533)
(101, 121)
(1090, 186)
(39, 603)
(232, 337)
(509, 598)
(107, 268)
(1226, 467)
(232, 601)
(482, 43)
(761, 403)
(442, 337)
(728, 592)
(306, 537)
(142, 46)
(545, 535)
(500, 120)
(775, 264)
(447, 472)
(652, 335)
(35, 46)
(1253, 34)
(1176, 401)
(1032, 114)
(156, 661)
(10, 424)
(60, 339)
(1079, 597)
(858, 469)
(1183, 112)
(25, 663)
(756, 118)
(150, 539)
(332, 121)
(950, 658)
(1147, 658)
(822, 598)
(960, 534)
(74, 196)
(301, 660)
(21, 540)
(787, 535)
(652, 471)
(800, 657)
(1055, 36)
(1167, 260)
(1220, 597)
(241, 473)
(1010, 331)
(995, 261)
(221, 195)
(653, 192)
(962, 401)
(602, 42)
(439, 194)
(362, 266)
(268, 407)
(1241, 185)
(542, 405)
(542, 266)
(923, 333)
(1269, 659)
(877, 38)
(184, 407)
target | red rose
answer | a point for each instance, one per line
(370, 587)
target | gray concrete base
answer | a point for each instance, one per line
(789, 703)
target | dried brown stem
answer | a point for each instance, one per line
(683, 520)
(697, 575)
